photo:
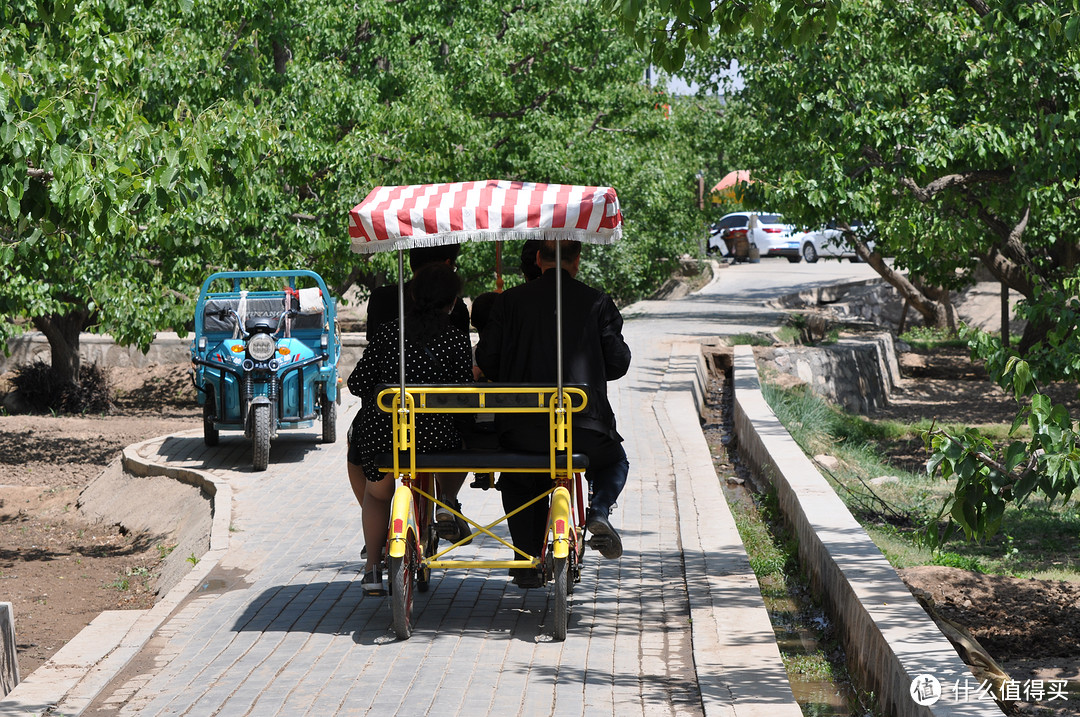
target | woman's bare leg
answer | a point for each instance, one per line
(449, 485)
(377, 499)
(358, 481)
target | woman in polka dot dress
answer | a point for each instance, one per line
(435, 352)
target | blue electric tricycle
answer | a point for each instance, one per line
(265, 356)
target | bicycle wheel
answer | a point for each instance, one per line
(561, 593)
(402, 582)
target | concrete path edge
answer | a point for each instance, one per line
(70, 680)
(889, 639)
(740, 671)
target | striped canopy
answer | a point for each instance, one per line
(493, 210)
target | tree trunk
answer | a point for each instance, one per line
(937, 313)
(282, 55)
(63, 331)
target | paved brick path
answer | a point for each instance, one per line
(280, 626)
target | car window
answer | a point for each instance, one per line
(737, 220)
(769, 218)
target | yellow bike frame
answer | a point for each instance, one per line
(482, 398)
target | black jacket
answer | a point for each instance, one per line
(518, 344)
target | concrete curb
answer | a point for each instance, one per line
(740, 671)
(889, 638)
(70, 680)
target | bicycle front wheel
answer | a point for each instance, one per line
(561, 595)
(402, 584)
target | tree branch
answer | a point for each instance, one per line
(950, 181)
(42, 175)
(236, 39)
(519, 113)
(933, 311)
(979, 6)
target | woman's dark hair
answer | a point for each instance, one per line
(529, 269)
(433, 290)
(421, 256)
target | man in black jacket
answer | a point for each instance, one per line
(518, 346)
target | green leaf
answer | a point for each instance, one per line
(1015, 454)
(1021, 379)
(1072, 28)
(14, 210)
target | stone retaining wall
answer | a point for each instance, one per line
(857, 373)
(167, 348)
(889, 639)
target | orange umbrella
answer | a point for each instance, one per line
(728, 188)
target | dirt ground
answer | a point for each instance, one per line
(60, 572)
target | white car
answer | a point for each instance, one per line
(766, 231)
(827, 242)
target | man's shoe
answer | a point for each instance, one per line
(526, 578)
(604, 537)
(450, 527)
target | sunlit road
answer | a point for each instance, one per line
(735, 301)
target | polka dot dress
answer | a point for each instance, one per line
(446, 358)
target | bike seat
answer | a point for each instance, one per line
(473, 460)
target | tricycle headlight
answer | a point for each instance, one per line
(261, 347)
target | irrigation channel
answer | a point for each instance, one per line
(808, 641)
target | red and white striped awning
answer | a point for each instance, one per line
(493, 210)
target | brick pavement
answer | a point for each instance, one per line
(280, 627)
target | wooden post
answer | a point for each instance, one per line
(903, 318)
(9, 663)
(1004, 314)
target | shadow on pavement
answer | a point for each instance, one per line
(234, 451)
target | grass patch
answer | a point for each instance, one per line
(750, 340)
(926, 338)
(1041, 540)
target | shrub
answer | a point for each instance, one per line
(43, 391)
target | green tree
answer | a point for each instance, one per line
(146, 144)
(952, 129)
(87, 171)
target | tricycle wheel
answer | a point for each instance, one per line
(260, 437)
(329, 419)
(210, 433)
(561, 595)
(402, 581)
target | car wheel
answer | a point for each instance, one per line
(794, 259)
(809, 252)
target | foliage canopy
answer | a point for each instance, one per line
(143, 145)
